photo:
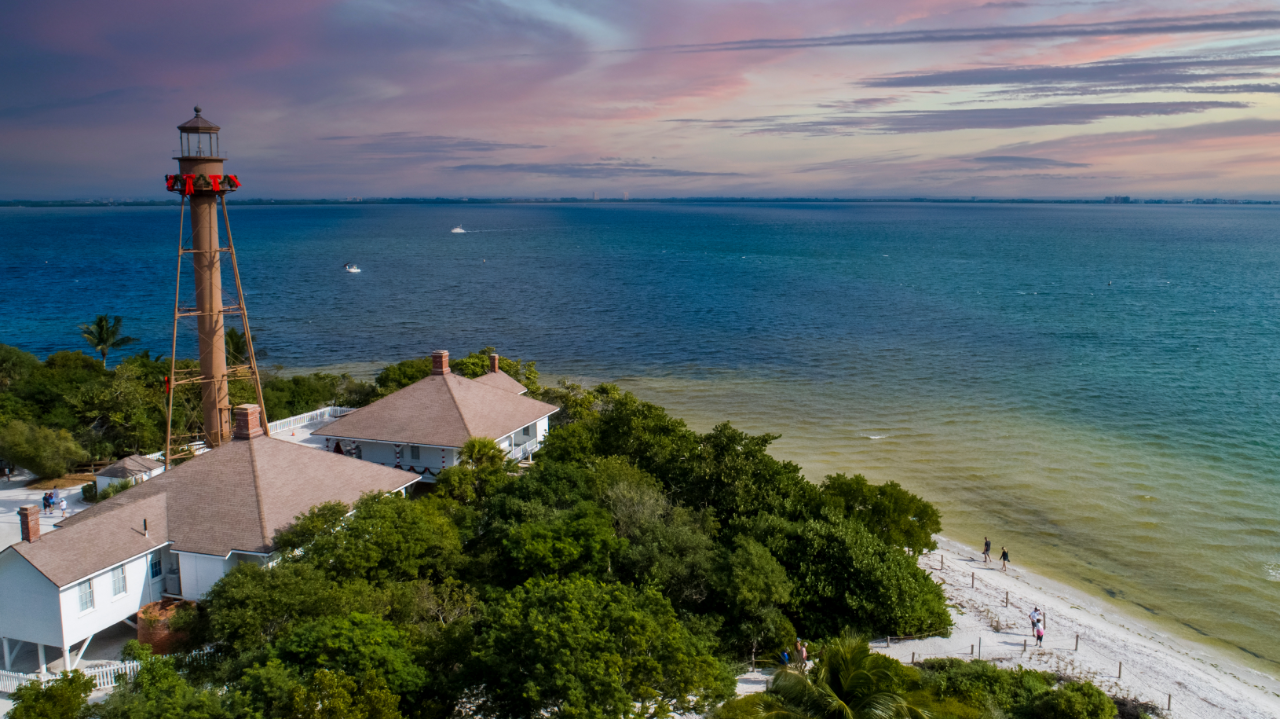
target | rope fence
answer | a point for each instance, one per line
(1076, 656)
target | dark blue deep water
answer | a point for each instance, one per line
(1098, 382)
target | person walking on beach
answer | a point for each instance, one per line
(1004, 559)
(986, 550)
(1039, 635)
(1035, 619)
(62, 504)
(48, 503)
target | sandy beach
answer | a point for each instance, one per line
(1116, 652)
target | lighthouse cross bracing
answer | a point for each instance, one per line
(203, 187)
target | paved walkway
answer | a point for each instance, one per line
(15, 494)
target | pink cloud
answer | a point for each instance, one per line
(540, 92)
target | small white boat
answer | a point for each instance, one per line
(350, 267)
(458, 229)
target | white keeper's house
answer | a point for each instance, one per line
(129, 470)
(422, 427)
(170, 537)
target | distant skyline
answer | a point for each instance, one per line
(550, 98)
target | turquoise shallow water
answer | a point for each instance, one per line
(1093, 386)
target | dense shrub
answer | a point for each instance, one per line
(49, 453)
(1073, 700)
(577, 647)
(976, 682)
(66, 697)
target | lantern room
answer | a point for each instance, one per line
(198, 137)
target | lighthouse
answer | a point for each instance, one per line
(203, 185)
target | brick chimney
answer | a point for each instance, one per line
(248, 421)
(493, 364)
(29, 518)
(440, 362)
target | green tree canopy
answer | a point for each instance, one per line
(477, 364)
(402, 374)
(66, 697)
(252, 605)
(898, 517)
(103, 335)
(389, 539)
(122, 414)
(335, 695)
(320, 520)
(299, 394)
(581, 648)
(49, 453)
(159, 690)
(15, 365)
(845, 577)
(356, 644)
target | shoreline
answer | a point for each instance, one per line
(1115, 622)
(1120, 653)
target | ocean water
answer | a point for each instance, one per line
(1094, 387)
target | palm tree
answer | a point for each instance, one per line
(103, 335)
(847, 681)
(482, 453)
(237, 347)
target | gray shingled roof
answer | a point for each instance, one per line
(130, 467)
(233, 498)
(502, 380)
(442, 410)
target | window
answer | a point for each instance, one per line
(86, 596)
(157, 568)
(527, 430)
(415, 453)
(117, 582)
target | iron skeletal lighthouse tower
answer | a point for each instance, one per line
(203, 186)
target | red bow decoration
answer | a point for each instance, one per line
(188, 184)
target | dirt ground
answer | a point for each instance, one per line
(66, 482)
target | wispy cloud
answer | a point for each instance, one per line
(1016, 162)
(859, 105)
(399, 144)
(917, 121)
(1126, 71)
(590, 170)
(1238, 22)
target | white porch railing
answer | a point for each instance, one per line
(197, 447)
(308, 418)
(524, 451)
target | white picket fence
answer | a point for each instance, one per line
(308, 418)
(105, 676)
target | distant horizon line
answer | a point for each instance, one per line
(1111, 200)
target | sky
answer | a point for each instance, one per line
(659, 98)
